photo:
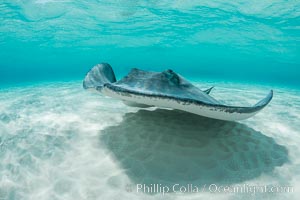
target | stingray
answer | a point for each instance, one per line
(165, 89)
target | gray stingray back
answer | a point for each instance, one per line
(166, 83)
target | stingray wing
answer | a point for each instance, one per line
(216, 111)
(98, 76)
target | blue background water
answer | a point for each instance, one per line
(255, 41)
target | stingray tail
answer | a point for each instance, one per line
(98, 76)
(207, 91)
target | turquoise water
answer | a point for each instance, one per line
(61, 142)
(252, 41)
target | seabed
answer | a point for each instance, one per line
(59, 141)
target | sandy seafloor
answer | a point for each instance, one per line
(58, 141)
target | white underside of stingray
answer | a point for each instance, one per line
(166, 90)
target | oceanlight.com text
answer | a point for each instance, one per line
(210, 188)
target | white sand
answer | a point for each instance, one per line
(58, 141)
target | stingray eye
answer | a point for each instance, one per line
(172, 77)
(175, 79)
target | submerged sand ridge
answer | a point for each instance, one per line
(169, 147)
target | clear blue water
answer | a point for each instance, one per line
(251, 41)
(60, 142)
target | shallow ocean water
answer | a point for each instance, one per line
(58, 141)
(255, 41)
(61, 142)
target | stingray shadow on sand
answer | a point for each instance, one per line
(172, 147)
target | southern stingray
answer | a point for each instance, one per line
(165, 89)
